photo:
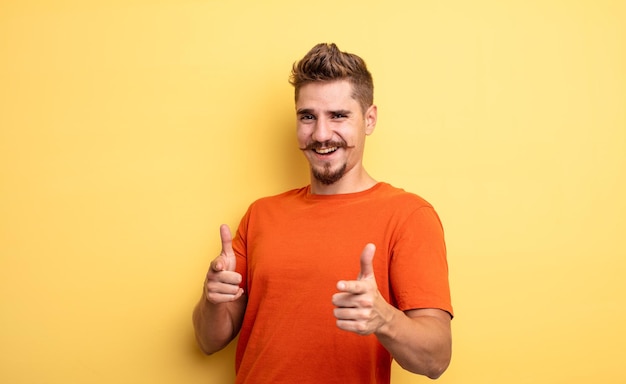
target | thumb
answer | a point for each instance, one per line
(226, 261)
(367, 267)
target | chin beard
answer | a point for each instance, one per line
(326, 176)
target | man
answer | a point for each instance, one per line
(328, 283)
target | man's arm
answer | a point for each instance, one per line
(419, 340)
(218, 315)
(216, 325)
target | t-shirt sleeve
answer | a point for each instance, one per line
(240, 246)
(419, 268)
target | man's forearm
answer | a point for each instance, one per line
(216, 325)
(420, 340)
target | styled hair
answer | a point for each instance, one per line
(325, 62)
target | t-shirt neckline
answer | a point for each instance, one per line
(343, 196)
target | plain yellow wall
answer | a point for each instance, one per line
(129, 130)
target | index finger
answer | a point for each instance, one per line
(219, 264)
(355, 287)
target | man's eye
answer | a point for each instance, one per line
(306, 117)
(339, 116)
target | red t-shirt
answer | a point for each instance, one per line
(293, 248)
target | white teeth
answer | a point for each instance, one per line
(324, 151)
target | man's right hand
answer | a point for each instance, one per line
(222, 282)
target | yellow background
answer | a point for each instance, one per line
(129, 130)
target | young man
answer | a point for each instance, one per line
(330, 282)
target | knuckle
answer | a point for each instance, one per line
(361, 328)
(365, 302)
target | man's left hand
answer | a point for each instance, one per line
(359, 306)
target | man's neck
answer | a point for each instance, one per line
(343, 186)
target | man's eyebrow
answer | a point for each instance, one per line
(309, 111)
(340, 112)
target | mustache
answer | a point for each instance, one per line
(326, 144)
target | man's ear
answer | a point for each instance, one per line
(371, 116)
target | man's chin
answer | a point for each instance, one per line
(328, 176)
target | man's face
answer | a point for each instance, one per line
(331, 129)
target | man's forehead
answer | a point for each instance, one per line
(341, 85)
(326, 95)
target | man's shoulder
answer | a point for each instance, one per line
(400, 196)
(280, 198)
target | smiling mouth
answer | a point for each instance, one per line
(325, 151)
(325, 148)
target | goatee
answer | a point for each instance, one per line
(327, 176)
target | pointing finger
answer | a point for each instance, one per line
(353, 287)
(218, 264)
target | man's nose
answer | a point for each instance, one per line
(322, 132)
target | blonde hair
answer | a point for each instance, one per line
(325, 62)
